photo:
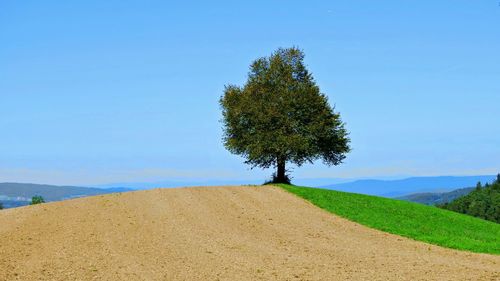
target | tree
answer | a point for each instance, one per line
(1, 206)
(280, 116)
(478, 185)
(37, 200)
(483, 203)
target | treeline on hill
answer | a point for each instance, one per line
(483, 202)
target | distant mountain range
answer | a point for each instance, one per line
(19, 194)
(398, 188)
(434, 198)
(314, 182)
(430, 189)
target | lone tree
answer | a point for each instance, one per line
(37, 199)
(281, 116)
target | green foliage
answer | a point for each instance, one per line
(1, 206)
(281, 116)
(479, 186)
(483, 202)
(37, 200)
(412, 220)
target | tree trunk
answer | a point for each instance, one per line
(280, 175)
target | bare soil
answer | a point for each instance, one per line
(214, 233)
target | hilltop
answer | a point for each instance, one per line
(214, 233)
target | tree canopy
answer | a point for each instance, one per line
(279, 115)
(37, 200)
(483, 202)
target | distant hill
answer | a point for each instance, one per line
(483, 202)
(12, 203)
(433, 198)
(397, 188)
(19, 194)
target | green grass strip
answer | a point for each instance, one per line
(419, 222)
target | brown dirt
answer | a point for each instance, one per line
(214, 233)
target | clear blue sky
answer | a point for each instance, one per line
(127, 91)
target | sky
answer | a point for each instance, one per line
(99, 92)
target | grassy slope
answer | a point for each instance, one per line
(416, 221)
